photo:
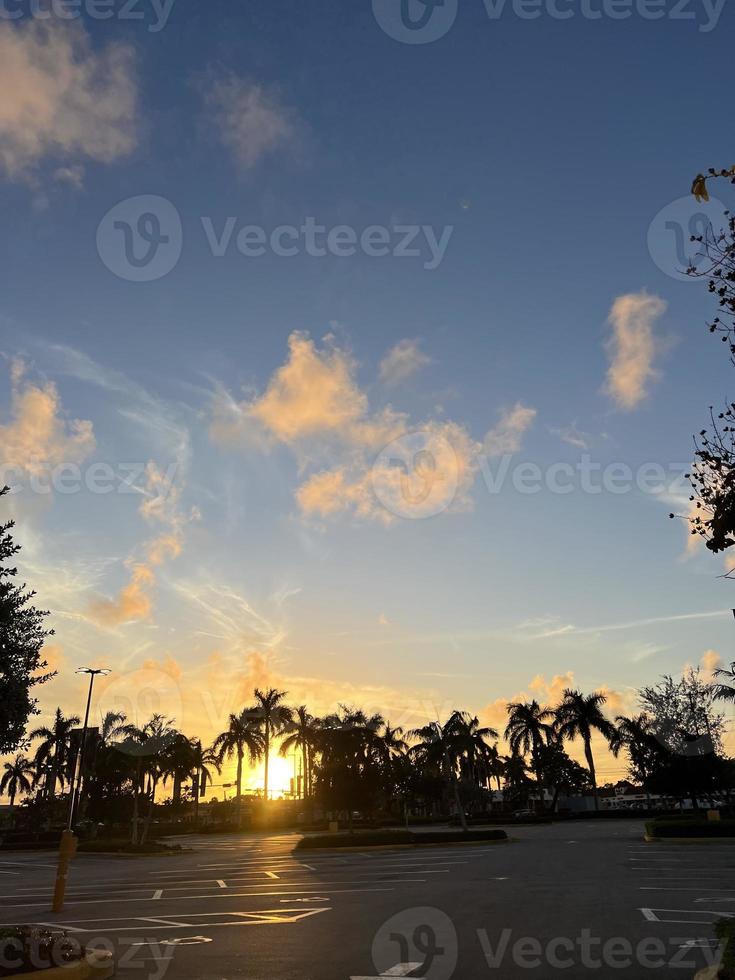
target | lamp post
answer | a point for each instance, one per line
(68, 845)
(79, 769)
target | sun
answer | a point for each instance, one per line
(280, 775)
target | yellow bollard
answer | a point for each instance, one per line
(67, 850)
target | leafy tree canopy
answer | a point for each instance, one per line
(22, 636)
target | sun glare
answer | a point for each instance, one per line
(280, 774)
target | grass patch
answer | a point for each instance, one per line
(691, 827)
(383, 838)
(725, 932)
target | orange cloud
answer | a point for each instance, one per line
(37, 436)
(505, 437)
(131, 603)
(313, 393)
(68, 101)
(711, 661)
(632, 347)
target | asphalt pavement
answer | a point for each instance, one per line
(582, 899)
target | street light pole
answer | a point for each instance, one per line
(68, 845)
(79, 769)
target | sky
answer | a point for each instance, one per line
(351, 354)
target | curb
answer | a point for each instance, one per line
(96, 965)
(688, 840)
(403, 847)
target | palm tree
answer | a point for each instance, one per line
(349, 772)
(53, 754)
(274, 715)
(302, 734)
(529, 728)
(203, 759)
(516, 777)
(495, 764)
(578, 716)
(437, 749)
(17, 777)
(148, 747)
(242, 734)
(469, 742)
(726, 692)
(113, 725)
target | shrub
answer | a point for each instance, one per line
(691, 827)
(388, 837)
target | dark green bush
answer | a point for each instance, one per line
(691, 827)
(388, 837)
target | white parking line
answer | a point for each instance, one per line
(207, 885)
(261, 917)
(181, 898)
(655, 915)
(399, 970)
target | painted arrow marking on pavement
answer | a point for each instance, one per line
(399, 970)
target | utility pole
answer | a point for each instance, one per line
(68, 845)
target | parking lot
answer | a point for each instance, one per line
(574, 900)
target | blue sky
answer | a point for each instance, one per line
(543, 149)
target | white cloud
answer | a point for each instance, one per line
(632, 347)
(37, 435)
(61, 99)
(505, 437)
(251, 121)
(572, 435)
(401, 361)
(314, 404)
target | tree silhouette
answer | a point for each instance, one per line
(578, 716)
(712, 512)
(22, 636)
(274, 715)
(723, 691)
(302, 736)
(241, 735)
(53, 755)
(17, 777)
(529, 728)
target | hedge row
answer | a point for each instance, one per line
(387, 837)
(693, 827)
